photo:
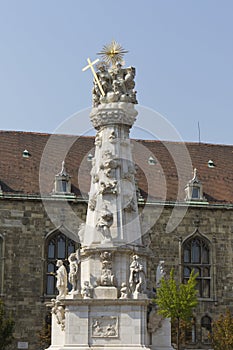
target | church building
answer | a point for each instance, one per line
(185, 201)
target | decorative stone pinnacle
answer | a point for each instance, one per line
(63, 170)
(195, 179)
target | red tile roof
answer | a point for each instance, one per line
(173, 164)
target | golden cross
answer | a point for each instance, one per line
(90, 65)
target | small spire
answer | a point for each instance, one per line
(63, 171)
(62, 184)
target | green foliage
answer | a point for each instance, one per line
(6, 328)
(222, 332)
(177, 300)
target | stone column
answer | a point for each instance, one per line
(112, 217)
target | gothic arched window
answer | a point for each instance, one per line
(190, 331)
(196, 256)
(206, 329)
(58, 247)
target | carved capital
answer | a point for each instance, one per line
(112, 114)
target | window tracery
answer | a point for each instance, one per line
(58, 247)
(196, 256)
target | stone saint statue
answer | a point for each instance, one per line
(61, 280)
(137, 276)
(73, 274)
(104, 223)
(160, 273)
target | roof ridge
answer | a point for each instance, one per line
(135, 139)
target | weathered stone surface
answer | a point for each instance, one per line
(24, 273)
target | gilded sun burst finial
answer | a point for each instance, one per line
(112, 53)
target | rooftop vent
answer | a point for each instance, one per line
(89, 157)
(26, 154)
(211, 164)
(151, 161)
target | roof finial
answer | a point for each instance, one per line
(195, 174)
(63, 170)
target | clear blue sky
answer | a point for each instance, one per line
(182, 51)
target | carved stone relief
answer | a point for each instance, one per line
(112, 116)
(104, 223)
(98, 139)
(87, 290)
(108, 187)
(92, 203)
(107, 278)
(109, 163)
(95, 178)
(117, 83)
(104, 327)
(112, 136)
(94, 174)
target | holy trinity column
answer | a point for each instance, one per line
(112, 217)
(108, 306)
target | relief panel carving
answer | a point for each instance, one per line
(104, 327)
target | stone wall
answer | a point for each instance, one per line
(24, 225)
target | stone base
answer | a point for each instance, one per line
(119, 324)
(76, 295)
(137, 295)
(105, 292)
(102, 323)
(161, 338)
